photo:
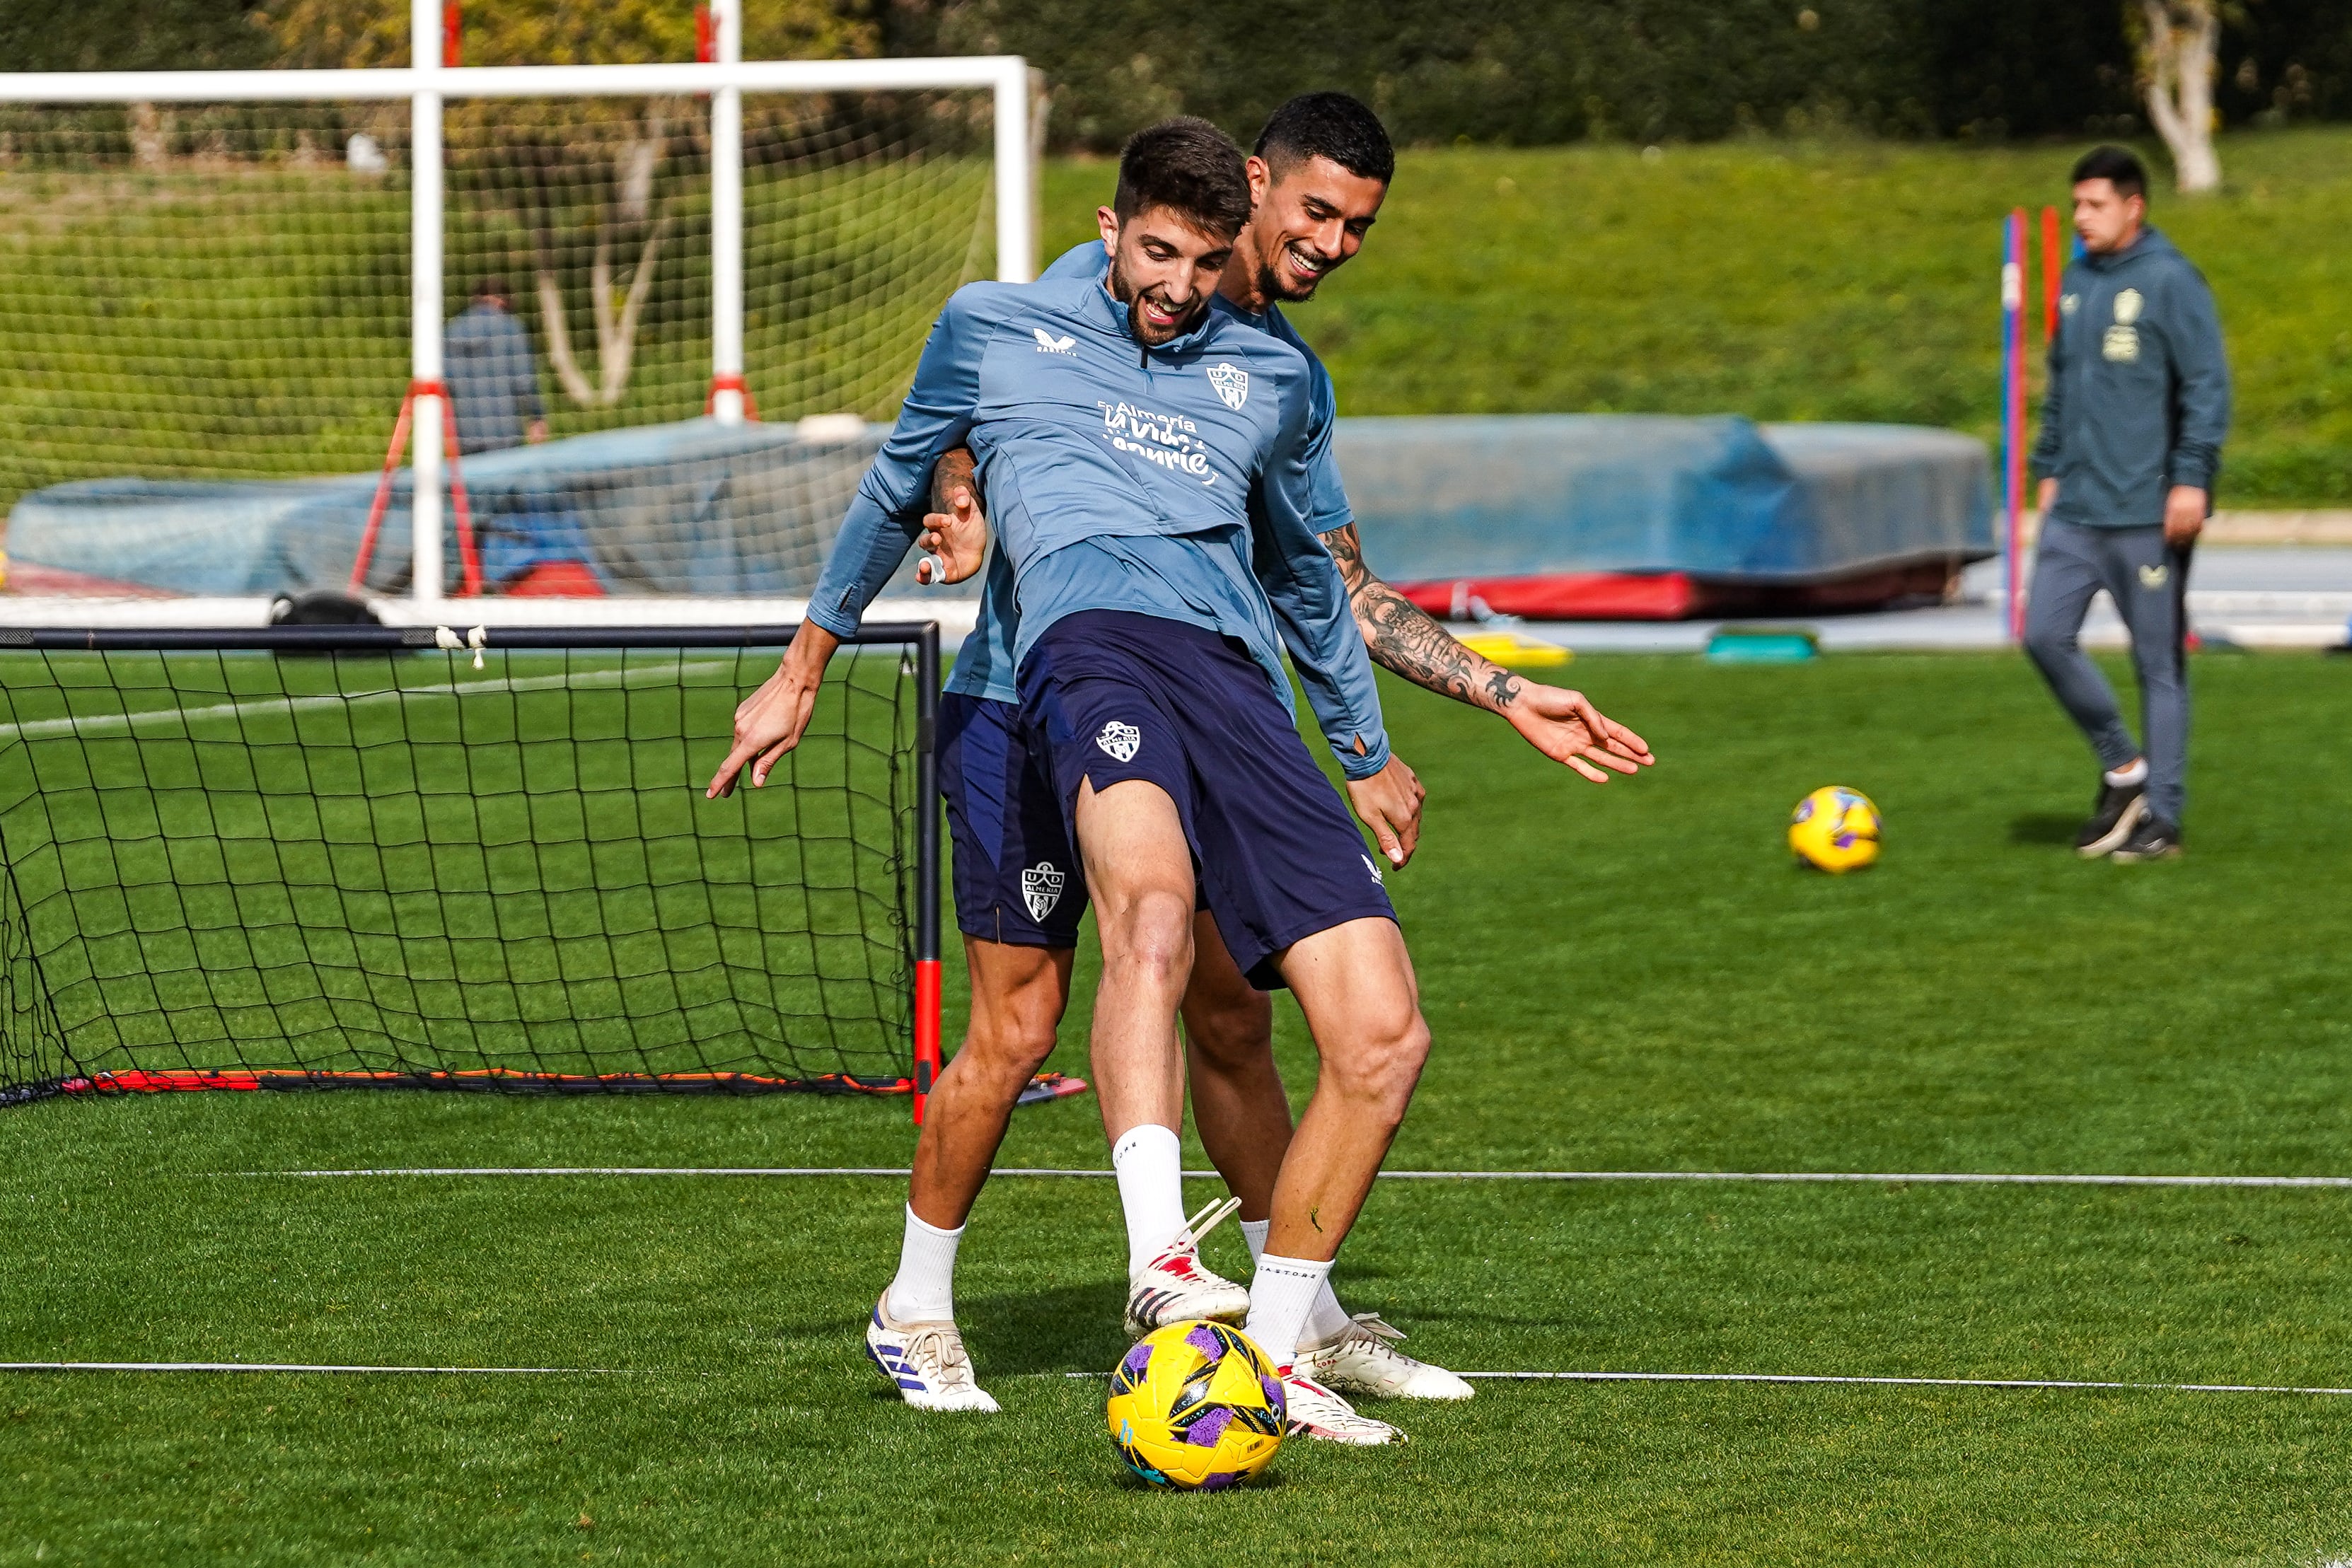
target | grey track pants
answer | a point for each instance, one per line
(2149, 581)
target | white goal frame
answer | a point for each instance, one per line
(427, 84)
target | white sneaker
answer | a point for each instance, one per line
(1173, 1288)
(927, 1361)
(1316, 1412)
(1363, 1358)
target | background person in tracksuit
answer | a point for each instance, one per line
(2131, 437)
(493, 381)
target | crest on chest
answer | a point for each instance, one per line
(1230, 383)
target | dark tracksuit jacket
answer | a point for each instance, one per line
(2139, 391)
(2139, 402)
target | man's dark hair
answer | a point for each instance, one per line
(2118, 165)
(491, 289)
(1328, 125)
(1188, 166)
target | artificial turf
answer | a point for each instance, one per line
(1624, 978)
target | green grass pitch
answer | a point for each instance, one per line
(1624, 978)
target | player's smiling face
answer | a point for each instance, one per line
(1308, 219)
(1163, 269)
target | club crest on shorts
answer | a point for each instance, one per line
(1120, 742)
(2153, 576)
(1374, 870)
(1230, 383)
(1041, 889)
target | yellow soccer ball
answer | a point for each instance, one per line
(1196, 1405)
(1835, 829)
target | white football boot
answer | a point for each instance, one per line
(1173, 1288)
(927, 1361)
(1363, 1358)
(1316, 1412)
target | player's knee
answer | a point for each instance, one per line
(1148, 939)
(1381, 1065)
(2046, 646)
(1230, 1031)
(1011, 1042)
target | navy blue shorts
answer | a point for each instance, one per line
(1017, 877)
(1111, 695)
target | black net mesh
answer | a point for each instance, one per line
(256, 868)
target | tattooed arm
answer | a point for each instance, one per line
(1562, 725)
(955, 531)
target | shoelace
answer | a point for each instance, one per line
(1186, 1247)
(936, 1347)
(1371, 1326)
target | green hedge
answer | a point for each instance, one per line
(130, 35)
(1543, 71)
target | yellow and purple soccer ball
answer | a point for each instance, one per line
(1835, 829)
(1196, 1405)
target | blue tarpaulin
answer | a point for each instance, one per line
(749, 509)
(1522, 496)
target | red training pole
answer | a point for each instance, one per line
(926, 867)
(469, 559)
(2053, 265)
(383, 496)
(452, 36)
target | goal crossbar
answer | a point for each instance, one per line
(428, 84)
(1008, 74)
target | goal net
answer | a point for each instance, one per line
(312, 857)
(207, 328)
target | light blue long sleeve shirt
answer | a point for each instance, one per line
(1174, 482)
(985, 667)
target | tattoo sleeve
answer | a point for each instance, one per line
(1405, 640)
(954, 468)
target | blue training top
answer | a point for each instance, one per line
(1171, 481)
(985, 667)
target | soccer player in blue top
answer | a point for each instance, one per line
(1147, 461)
(1318, 177)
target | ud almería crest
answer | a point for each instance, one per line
(1041, 889)
(1230, 383)
(1121, 742)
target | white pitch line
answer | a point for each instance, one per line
(98, 723)
(1945, 1178)
(1898, 1382)
(1793, 1377)
(295, 1366)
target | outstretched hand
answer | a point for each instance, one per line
(954, 542)
(771, 720)
(1565, 726)
(1389, 804)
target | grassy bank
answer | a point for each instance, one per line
(248, 322)
(1839, 281)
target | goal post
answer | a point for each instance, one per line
(461, 858)
(794, 224)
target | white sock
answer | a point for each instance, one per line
(1151, 1167)
(924, 1292)
(1326, 1319)
(1280, 1298)
(2125, 777)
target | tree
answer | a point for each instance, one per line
(2177, 42)
(581, 179)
